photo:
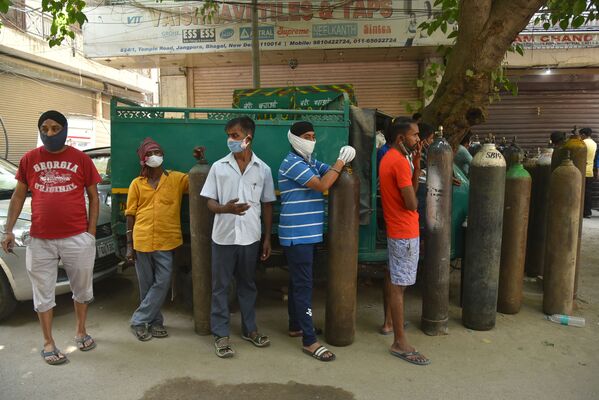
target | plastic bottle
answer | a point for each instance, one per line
(566, 320)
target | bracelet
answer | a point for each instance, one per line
(129, 230)
(337, 171)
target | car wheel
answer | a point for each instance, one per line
(7, 300)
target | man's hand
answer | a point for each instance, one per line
(130, 256)
(417, 153)
(233, 207)
(8, 242)
(347, 154)
(266, 249)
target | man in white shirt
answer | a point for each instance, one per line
(240, 189)
(586, 134)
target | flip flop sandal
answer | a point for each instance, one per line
(158, 331)
(222, 347)
(141, 332)
(258, 340)
(80, 341)
(319, 354)
(54, 353)
(406, 357)
(317, 331)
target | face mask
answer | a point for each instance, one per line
(237, 146)
(303, 147)
(56, 142)
(154, 161)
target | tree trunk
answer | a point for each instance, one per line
(487, 28)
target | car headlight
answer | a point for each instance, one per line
(21, 231)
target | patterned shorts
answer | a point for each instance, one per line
(403, 260)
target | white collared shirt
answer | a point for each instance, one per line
(224, 183)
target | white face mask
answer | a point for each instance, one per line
(154, 161)
(304, 147)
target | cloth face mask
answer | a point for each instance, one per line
(154, 161)
(304, 147)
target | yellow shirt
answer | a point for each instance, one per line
(591, 149)
(157, 212)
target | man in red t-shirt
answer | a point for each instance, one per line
(398, 174)
(57, 176)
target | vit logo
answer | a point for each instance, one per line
(134, 20)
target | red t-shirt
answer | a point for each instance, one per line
(395, 173)
(57, 183)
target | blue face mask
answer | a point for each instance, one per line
(56, 142)
(237, 146)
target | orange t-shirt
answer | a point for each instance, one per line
(395, 173)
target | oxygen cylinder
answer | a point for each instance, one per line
(539, 214)
(200, 227)
(435, 299)
(578, 154)
(342, 280)
(562, 239)
(512, 154)
(475, 146)
(483, 238)
(513, 242)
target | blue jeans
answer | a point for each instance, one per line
(154, 275)
(300, 259)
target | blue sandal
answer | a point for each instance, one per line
(54, 353)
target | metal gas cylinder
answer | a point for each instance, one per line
(342, 243)
(200, 228)
(435, 299)
(513, 242)
(577, 151)
(483, 238)
(512, 154)
(539, 214)
(562, 239)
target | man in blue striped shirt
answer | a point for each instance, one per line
(302, 181)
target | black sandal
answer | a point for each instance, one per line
(258, 340)
(158, 331)
(319, 354)
(141, 332)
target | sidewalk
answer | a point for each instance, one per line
(524, 357)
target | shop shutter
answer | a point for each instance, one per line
(533, 115)
(24, 99)
(383, 85)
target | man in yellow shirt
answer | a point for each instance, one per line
(586, 134)
(153, 232)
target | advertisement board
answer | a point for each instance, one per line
(169, 27)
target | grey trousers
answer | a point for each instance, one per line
(154, 275)
(228, 262)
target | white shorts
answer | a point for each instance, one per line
(403, 260)
(77, 254)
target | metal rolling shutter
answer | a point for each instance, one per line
(382, 85)
(25, 99)
(533, 115)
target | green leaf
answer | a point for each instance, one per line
(564, 23)
(520, 49)
(578, 21)
(546, 25)
(452, 34)
(579, 7)
(4, 5)
(469, 73)
(444, 27)
(419, 83)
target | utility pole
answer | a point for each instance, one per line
(255, 46)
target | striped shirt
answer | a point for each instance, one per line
(302, 209)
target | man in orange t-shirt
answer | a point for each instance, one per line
(398, 174)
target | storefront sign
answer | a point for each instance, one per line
(148, 27)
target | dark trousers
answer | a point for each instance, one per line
(300, 259)
(588, 196)
(228, 262)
